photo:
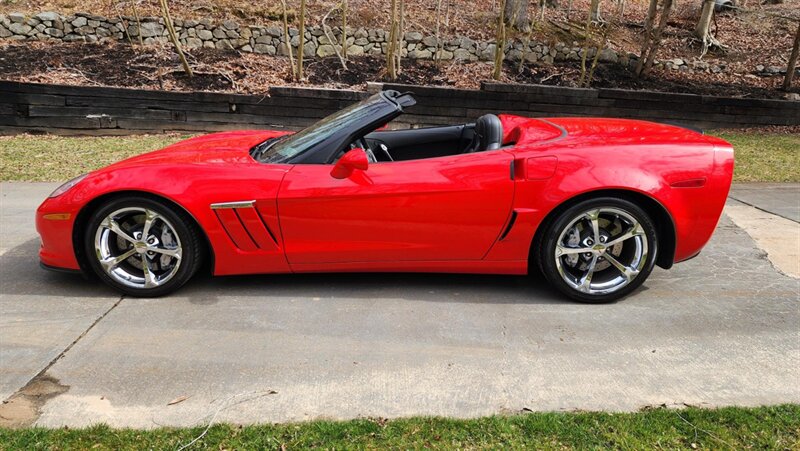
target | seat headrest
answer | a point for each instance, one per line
(490, 132)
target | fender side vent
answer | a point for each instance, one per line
(509, 226)
(245, 226)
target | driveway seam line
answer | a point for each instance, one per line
(69, 346)
(762, 209)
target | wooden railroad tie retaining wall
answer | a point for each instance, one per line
(76, 110)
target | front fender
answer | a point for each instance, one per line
(193, 188)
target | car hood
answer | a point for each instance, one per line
(216, 148)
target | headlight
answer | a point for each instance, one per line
(67, 186)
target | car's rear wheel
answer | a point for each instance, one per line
(141, 246)
(598, 250)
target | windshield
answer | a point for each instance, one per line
(287, 147)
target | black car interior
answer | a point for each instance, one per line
(415, 144)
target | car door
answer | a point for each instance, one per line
(439, 209)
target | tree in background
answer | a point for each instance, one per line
(702, 30)
(437, 55)
(174, 37)
(515, 13)
(652, 38)
(543, 4)
(391, 45)
(594, 12)
(500, 42)
(598, 43)
(292, 67)
(329, 34)
(792, 67)
(344, 30)
(302, 37)
(401, 27)
(138, 23)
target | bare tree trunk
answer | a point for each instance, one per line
(437, 53)
(138, 23)
(666, 10)
(329, 34)
(516, 13)
(787, 82)
(288, 40)
(344, 30)
(526, 47)
(594, 11)
(596, 59)
(648, 35)
(302, 39)
(702, 30)
(127, 35)
(391, 70)
(586, 39)
(500, 43)
(174, 38)
(400, 34)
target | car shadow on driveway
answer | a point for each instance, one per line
(425, 287)
(21, 275)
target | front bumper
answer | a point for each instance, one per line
(55, 224)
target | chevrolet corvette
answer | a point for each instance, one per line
(592, 204)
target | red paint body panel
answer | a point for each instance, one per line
(419, 210)
(445, 214)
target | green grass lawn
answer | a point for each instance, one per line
(775, 427)
(764, 157)
(37, 158)
(759, 157)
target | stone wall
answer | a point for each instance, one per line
(84, 27)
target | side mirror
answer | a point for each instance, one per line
(350, 161)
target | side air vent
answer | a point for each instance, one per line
(245, 226)
(509, 226)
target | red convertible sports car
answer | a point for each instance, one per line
(593, 204)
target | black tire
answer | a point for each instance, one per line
(563, 223)
(181, 228)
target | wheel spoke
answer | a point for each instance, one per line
(594, 218)
(111, 262)
(635, 230)
(564, 250)
(149, 277)
(585, 283)
(628, 272)
(112, 225)
(171, 252)
(149, 218)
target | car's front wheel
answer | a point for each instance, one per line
(141, 246)
(598, 250)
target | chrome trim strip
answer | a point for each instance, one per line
(237, 204)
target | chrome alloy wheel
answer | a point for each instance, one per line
(601, 251)
(138, 248)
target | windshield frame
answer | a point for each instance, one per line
(338, 130)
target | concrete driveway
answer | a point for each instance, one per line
(721, 329)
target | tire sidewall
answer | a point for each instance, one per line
(547, 247)
(183, 228)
